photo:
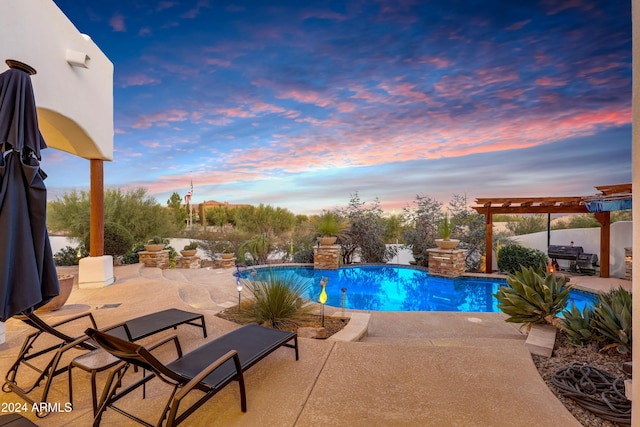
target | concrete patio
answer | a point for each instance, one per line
(466, 369)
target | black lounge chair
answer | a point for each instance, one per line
(207, 369)
(56, 343)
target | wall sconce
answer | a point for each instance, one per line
(77, 59)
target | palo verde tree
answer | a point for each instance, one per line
(217, 215)
(264, 219)
(140, 214)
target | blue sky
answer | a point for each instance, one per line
(300, 104)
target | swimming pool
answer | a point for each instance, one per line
(393, 288)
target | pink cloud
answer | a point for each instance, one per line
(494, 75)
(196, 10)
(138, 79)
(323, 14)
(557, 7)
(436, 61)
(160, 118)
(145, 31)
(165, 5)
(219, 62)
(305, 97)
(517, 25)
(550, 82)
(117, 23)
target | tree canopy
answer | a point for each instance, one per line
(141, 215)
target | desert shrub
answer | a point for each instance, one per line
(132, 257)
(533, 297)
(512, 258)
(609, 322)
(578, 325)
(277, 300)
(69, 255)
(303, 256)
(117, 239)
(612, 319)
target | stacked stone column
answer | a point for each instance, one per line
(326, 257)
(446, 262)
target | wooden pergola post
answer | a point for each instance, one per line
(489, 241)
(96, 230)
(604, 218)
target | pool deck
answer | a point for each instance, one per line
(411, 368)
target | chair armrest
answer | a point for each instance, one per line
(78, 342)
(173, 338)
(122, 325)
(208, 370)
(79, 316)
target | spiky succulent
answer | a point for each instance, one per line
(612, 319)
(578, 325)
(532, 296)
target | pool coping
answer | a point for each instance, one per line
(355, 330)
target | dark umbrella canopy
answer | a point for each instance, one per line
(28, 276)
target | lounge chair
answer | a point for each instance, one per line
(207, 369)
(56, 343)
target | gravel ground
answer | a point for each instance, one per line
(331, 324)
(565, 354)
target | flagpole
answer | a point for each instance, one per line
(191, 207)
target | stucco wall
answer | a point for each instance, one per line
(75, 104)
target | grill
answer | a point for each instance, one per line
(570, 253)
(587, 263)
(580, 262)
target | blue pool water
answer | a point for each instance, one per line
(392, 288)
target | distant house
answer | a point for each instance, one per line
(213, 204)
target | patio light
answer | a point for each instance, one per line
(239, 288)
(323, 296)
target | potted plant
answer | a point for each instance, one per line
(227, 251)
(155, 244)
(329, 227)
(190, 249)
(446, 227)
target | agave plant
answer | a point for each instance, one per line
(532, 296)
(612, 319)
(277, 300)
(578, 325)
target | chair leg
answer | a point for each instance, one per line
(114, 381)
(243, 394)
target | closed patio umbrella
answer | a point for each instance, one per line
(28, 278)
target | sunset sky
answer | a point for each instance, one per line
(300, 104)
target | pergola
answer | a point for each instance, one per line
(556, 205)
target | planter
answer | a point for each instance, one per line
(447, 244)
(188, 252)
(327, 240)
(227, 256)
(154, 247)
(66, 285)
